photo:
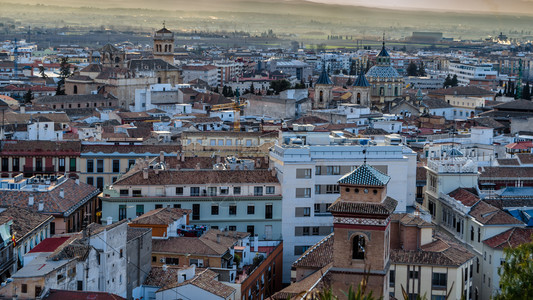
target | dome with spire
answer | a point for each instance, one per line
(383, 67)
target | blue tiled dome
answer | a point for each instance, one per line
(383, 72)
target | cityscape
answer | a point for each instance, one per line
(266, 150)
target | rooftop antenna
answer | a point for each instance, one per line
(164, 24)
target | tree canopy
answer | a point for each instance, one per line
(516, 273)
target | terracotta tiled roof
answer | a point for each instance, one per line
(525, 158)
(410, 220)
(489, 215)
(159, 277)
(317, 280)
(508, 162)
(198, 177)
(79, 295)
(466, 196)
(318, 256)
(73, 98)
(24, 220)
(134, 115)
(75, 195)
(207, 244)
(207, 281)
(365, 175)
(385, 208)
(230, 134)
(421, 174)
(462, 91)
(45, 147)
(494, 173)
(510, 239)
(155, 149)
(161, 216)
(437, 253)
(135, 232)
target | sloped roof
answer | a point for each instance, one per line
(24, 220)
(361, 81)
(318, 280)
(466, 196)
(153, 64)
(490, 215)
(385, 208)
(382, 72)
(317, 256)
(108, 48)
(434, 103)
(79, 295)
(324, 78)
(383, 52)
(207, 281)
(510, 238)
(365, 175)
(161, 216)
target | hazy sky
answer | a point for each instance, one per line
(494, 6)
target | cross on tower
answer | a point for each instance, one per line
(164, 24)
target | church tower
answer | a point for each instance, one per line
(361, 225)
(386, 83)
(164, 45)
(360, 90)
(323, 91)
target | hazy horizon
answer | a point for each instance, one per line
(476, 6)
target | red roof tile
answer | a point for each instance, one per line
(510, 238)
(50, 244)
(80, 295)
(468, 198)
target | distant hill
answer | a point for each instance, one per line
(303, 19)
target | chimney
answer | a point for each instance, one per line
(256, 243)
(273, 171)
(78, 181)
(161, 157)
(178, 167)
(197, 167)
(217, 158)
(145, 173)
(30, 200)
(62, 193)
(218, 238)
(109, 220)
(41, 205)
(182, 157)
(23, 109)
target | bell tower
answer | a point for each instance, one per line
(361, 90)
(164, 45)
(361, 225)
(323, 90)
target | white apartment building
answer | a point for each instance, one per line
(466, 71)
(309, 164)
(207, 73)
(454, 203)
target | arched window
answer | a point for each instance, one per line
(321, 96)
(169, 48)
(75, 89)
(165, 48)
(382, 91)
(358, 98)
(358, 247)
(396, 91)
(117, 60)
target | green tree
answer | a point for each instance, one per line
(516, 273)
(412, 70)
(42, 73)
(421, 70)
(447, 81)
(280, 85)
(252, 88)
(454, 81)
(28, 96)
(64, 73)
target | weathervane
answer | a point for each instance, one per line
(164, 24)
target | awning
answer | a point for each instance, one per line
(227, 256)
